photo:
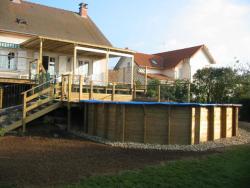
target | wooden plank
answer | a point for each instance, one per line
(192, 128)
(113, 92)
(62, 88)
(80, 87)
(43, 112)
(43, 92)
(106, 119)
(223, 122)
(17, 81)
(24, 112)
(145, 124)
(169, 125)
(211, 124)
(217, 123)
(159, 93)
(38, 103)
(123, 119)
(69, 87)
(91, 90)
(40, 60)
(235, 121)
(197, 124)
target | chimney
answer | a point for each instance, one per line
(16, 1)
(83, 10)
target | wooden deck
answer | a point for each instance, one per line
(16, 81)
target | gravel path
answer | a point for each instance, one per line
(243, 138)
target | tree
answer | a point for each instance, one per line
(217, 85)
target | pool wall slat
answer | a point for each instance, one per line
(161, 124)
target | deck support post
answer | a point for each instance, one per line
(159, 93)
(132, 71)
(69, 87)
(24, 112)
(80, 87)
(1, 98)
(134, 91)
(113, 92)
(91, 90)
(40, 61)
(146, 80)
(75, 59)
(107, 67)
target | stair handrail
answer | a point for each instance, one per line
(38, 86)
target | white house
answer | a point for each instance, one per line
(171, 65)
(35, 38)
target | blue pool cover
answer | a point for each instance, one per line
(156, 103)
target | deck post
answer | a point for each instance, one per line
(113, 92)
(134, 91)
(189, 90)
(40, 61)
(75, 59)
(62, 88)
(24, 112)
(107, 67)
(91, 90)
(132, 71)
(1, 98)
(159, 93)
(69, 87)
(80, 87)
(146, 79)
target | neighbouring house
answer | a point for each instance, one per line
(168, 66)
(35, 38)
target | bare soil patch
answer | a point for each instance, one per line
(44, 161)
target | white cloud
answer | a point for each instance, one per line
(223, 25)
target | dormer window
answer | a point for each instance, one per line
(153, 61)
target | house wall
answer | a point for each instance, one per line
(63, 63)
(199, 61)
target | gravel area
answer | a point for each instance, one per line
(243, 138)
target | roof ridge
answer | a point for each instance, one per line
(187, 48)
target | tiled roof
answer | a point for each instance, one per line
(170, 59)
(40, 20)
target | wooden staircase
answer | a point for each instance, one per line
(37, 102)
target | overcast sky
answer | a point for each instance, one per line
(151, 26)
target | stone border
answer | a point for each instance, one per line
(243, 138)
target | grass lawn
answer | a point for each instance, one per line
(229, 169)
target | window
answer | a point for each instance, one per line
(52, 59)
(8, 61)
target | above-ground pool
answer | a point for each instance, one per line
(160, 122)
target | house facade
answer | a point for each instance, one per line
(179, 64)
(35, 38)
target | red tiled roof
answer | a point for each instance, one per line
(170, 59)
(173, 58)
(146, 60)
